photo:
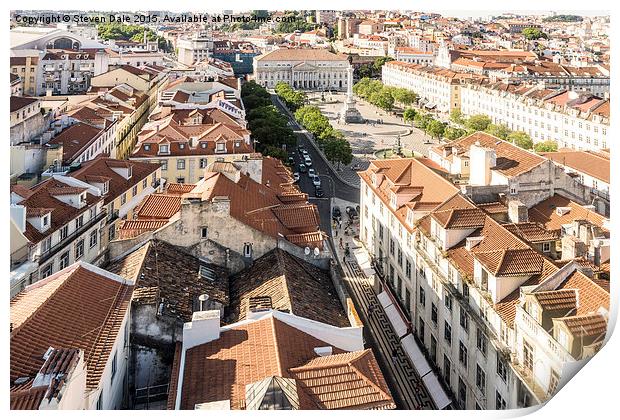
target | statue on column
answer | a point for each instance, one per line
(349, 113)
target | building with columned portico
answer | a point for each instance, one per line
(311, 69)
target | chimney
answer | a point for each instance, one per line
(517, 212)
(573, 248)
(204, 327)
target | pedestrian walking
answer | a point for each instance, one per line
(395, 355)
(341, 246)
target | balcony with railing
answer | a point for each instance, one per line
(537, 334)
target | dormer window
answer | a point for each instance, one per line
(46, 220)
(147, 147)
(129, 172)
(221, 147)
(410, 217)
(203, 145)
(164, 148)
(182, 146)
(106, 187)
(393, 200)
(83, 197)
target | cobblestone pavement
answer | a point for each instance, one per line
(365, 139)
(405, 383)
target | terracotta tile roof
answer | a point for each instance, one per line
(510, 160)
(168, 272)
(419, 186)
(511, 262)
(494, 208)
(41, 197)
(75, 139)
(158, 206)
(585, 325)
(260, 206)
(458, 213)
(28, 398)
(178, 189)
(554, 300)
(591, 295)
(132, 228)
(250, 352)
(19, 102)
(545, 214)
(292, 285)
(586, 162)
(349, 380)
(532, 232)
(78, 308)
(99, 170)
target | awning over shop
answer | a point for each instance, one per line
(393, 314)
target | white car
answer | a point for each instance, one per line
(311, 173)
(316, 181)
(296, 176)
(308, 161)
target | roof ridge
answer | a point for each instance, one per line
(41, 304)
(276, 346)
(376, 387)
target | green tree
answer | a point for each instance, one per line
(404, 96)
(409, 115)
(521, 139)
(421, 120)
(382, 99)
(478, 122)
(498, 130)
(435, 129)
(456, 116)
(379, 62)
(453, 133)
(339, 151)
(533, 34)
(546, 146)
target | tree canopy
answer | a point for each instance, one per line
(546, 146)
(534, 33)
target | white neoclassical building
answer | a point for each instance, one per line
(311, 69)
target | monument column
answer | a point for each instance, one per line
(350, 114)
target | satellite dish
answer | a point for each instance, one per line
(203, 298)
(316, 252)
(307, 250)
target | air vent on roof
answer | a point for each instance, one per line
(561, 211)
(207, 273)
(21, 380)
(48, 353)
(260, 304)
(473, 241)
(324, 351)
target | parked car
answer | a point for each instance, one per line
(296, 176)
(308, 161)
(305, 154)
(302, 168)
(291, 160)
(351, 212)
(316, 181)
(336, 213)
(300, 148)
(318, 191)
(311, 173)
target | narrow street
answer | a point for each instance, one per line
(409, 390)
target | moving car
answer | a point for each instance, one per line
(296, 176)
(308, 161)
(318, 191)
(311, 173)
(316, 181)
(302, 168)
(291, 160)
